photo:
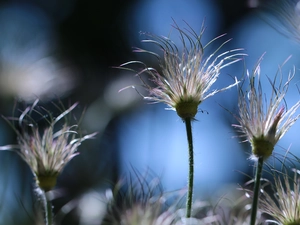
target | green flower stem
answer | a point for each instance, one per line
(49, 213)
(48, 210)
(189, 199)
(256, 189)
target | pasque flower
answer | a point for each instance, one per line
(48, 150)
(284, 205)
(186, 76)
(184, 80)
(263, 122)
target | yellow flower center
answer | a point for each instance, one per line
(47, 181)
(261, 147)
(187, 109)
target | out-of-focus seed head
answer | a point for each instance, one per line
(48, 150)
(284, 204)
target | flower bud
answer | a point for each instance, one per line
(187, 109)
(261, 147)
(47, 182)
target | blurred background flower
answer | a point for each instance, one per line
(65, 50)
(28, 65)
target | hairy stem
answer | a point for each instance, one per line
(48, 209)
(256, 189)
(189, 200)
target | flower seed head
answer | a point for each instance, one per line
(185, 76)
(262, 125)
(47, 151)
(284, 205)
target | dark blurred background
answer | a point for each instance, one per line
(66, 51)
